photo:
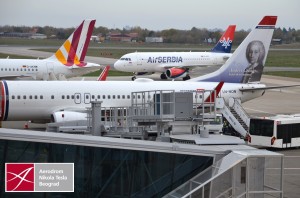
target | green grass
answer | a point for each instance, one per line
(15, 56)
(278, 57)
(110, 73)
(290, 74)
(283, 58)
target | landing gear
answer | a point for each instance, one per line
(186, 78)
(133, 78)
(163, 76)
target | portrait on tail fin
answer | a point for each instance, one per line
(255, 54)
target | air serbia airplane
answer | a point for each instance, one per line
(68, 60)
(61, 101)
(176, 64)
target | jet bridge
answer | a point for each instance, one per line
(241, 173)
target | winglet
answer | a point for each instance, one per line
(225, 42)
(74, 49)
(215, 93)
(104, 73)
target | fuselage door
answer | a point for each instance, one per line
(77, 98)
(87, 98)
(138, 59)
(50, 68)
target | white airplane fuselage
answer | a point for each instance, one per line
(40, 69)
(28, 100)
(161, 61)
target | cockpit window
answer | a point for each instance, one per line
(126, 59)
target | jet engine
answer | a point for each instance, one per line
(178, 72)
(63, 116)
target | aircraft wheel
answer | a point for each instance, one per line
(186, 78)
(163, 76)
(133, 78)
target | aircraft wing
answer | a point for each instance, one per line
(13, 77)
(183, 66)
(249, 89)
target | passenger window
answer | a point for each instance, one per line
(77, 97)
(24, 97)
(35, 97)
(87, 96)
(114, 97)
(108, 96)
(123, 96)
(98, 96)
(103, 97)
(9, 69)
(119, 97)
(128, 96)
(17, 69)
(13, 97)
(21, 70)
(52, 97)
(18, 97)
(41, 97)
(93, 97)
(63, 97)
(72, 97)
(30, 97)
(68, 97)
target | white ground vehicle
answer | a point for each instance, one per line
(281, 131)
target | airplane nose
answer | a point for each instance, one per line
(117, 64)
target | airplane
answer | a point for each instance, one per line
(176, 64)
(68, 60)
(58, 101)
(104, 73)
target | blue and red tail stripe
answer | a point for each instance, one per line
(4, 101)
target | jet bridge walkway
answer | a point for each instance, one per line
(251, 173)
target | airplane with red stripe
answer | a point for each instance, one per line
(67, 61)
(64, 101)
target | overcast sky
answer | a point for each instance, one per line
(150, 14)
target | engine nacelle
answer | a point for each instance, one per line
(176, 72)
(63, 116)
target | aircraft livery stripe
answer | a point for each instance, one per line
(74, 45)
(2, 100)
(265, 27)
(60, 56)
(87, 40)
(5, 101)
(67, 45)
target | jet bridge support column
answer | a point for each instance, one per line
(96, 118)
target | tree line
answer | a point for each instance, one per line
(192, 36)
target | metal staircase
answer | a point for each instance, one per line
(235, 114)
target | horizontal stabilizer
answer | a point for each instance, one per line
(249, 89)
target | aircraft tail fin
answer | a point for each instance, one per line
(104, 73)
(247, 62)
(74, 49)
(225, 42)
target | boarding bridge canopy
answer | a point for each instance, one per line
(245, 173)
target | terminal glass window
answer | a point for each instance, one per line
(106, 172)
